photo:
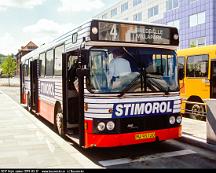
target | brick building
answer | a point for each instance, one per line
(23, 51)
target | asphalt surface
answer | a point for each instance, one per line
(167, 154)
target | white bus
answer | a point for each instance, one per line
(68, 83)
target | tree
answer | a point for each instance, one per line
(193, 44)
(9, 67)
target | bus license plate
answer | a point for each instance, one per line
(145, 136)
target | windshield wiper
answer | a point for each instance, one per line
(141, 76)
(152, 84)
(129, 85)
(156, 83)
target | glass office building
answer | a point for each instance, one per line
(196, 19)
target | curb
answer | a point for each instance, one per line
(197, 142)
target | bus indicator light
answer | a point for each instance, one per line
(86, 126)
(86, 107)
(176, 37)
(94, 30)
(110, 111)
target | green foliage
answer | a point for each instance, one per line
(9, 66)
(193, 45)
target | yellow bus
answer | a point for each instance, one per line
(197, 75)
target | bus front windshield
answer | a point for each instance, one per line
(132, 70)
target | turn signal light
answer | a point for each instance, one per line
(86, 107)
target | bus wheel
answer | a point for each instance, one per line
(59, 122)
(197, 112)
(29, 103)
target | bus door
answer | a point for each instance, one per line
(34, 84)
(73, 108)
(213, 80)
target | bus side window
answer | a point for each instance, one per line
(29, 62)
(26, 68)
(197, 66)
(49, 63)
(42, 64)
(99, 70)
(58, 60)
(181, 67)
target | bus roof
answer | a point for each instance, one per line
(129, 36)
(133, 22)
(197, 50)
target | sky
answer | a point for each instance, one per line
(41, 21)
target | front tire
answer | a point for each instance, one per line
(28, 103)
(196, 112)
(59, 122)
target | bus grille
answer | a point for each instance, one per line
(128, 125)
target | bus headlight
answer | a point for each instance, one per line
(172, 120)
(179, 119)
(110, 125)
(101, 126)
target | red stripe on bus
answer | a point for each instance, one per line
(46, 110)
(115, 140)
(24, 100)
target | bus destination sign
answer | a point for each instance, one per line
(134, 33)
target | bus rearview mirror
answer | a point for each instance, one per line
(181, 74)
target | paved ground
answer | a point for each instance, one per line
(25, 142)
(13, 92)
(194, 128)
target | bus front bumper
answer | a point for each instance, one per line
(116, 140)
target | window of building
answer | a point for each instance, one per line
(153, 11)
(137, 17)
(126, 18)
(42, 59)
(49, 63)
(136, 2)
(197, 19)
(113, 12)
(58, 60)
(197, 66)
(124, 7)
(192, 1)
(198, 42)
(175, 23)
(171, 4)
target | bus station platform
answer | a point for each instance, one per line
(195, 132)
(25, 142)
